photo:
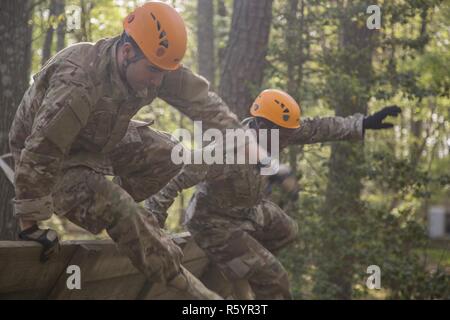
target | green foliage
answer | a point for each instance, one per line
(404, 170)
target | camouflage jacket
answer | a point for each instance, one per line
(79, 108)
(230, 188)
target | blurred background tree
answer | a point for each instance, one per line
(15, 65)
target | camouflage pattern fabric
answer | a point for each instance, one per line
(73, 127)
(78, 110)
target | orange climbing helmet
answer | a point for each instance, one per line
(278, 107)
(159, 31)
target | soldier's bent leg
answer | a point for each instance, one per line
(240, 256)
(278, 229)
(91, 201)
(144, 167)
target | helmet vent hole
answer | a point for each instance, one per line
(286, 117)
(164, 43)
(162, 35)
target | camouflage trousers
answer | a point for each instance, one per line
(243, 244)
(93, 202)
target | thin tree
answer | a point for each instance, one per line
(56, 18)
(349, 86)
(245, 56)
(205, 40)
(15, 62)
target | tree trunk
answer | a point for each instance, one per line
(205, 40)
(295, 62)
(244, 61)
(221, 8)
(85, 32)
(417, 126)
(47, 46)
(61, 29)
(221, 31)
(15, 62)
(56, 18)
(349, 86)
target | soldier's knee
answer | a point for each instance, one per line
(162, 165)
(281, 228)
(93, 202)
(272, 282)
(249, 259)
(172, 167)
(161, 142)
(110, 200)
(257, 268)
(287, 233)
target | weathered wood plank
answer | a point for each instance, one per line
(214, 279)
(105, 274)
(121, 288)
(96, 263)
(20, 269)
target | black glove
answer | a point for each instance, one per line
(375, 121)
(48, 238)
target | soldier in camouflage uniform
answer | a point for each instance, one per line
(283, 188)
(228, 215)
(74, 126)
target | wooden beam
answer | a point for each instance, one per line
(105, 273)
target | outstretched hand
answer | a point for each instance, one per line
(375, 121)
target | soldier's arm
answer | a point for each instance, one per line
(63, 113)
(328, 129)
(190, 94)
(189, 176)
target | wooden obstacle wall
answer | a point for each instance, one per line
(105, 274)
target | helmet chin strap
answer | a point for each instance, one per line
(250, 121)
(126, 64)
(255, 123)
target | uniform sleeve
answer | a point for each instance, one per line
(63, 113)
(190, 94)
(329, 129)
(189, 176)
